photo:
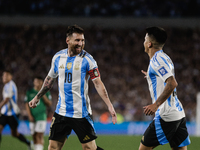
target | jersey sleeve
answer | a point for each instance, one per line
(8, 91)
(162, 69)
(53, 72)
(92, 67)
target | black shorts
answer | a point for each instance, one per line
(160, 132)
(61, 128)
(12, 121)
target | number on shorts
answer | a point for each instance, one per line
(53, 119)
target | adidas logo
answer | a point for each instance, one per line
(86, 138)
(143, 138)
(61, 67)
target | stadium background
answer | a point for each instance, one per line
(31, 32)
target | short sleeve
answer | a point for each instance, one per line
(8, 92)
(92, 64)
(92, 67)
(53, 72)
(163, 70)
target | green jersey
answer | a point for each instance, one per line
(38, 113)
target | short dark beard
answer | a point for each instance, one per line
(73, 49)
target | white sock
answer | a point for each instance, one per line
(38, 147)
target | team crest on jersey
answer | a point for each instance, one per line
(77, 65)
(162, 71)
(69, 65)
(61, 67)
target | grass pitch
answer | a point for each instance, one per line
(108, 142)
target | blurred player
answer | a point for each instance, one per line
(38, 116)
(73, 67)
(169, 124)
(9, 109)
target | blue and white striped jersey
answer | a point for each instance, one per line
(73, 75)
(160, 68)
(10, 91)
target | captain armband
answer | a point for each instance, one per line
(94, 73)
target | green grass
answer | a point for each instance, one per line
(108, 142)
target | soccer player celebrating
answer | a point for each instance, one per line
(169, 124)
(9, 108)
(73, 67)
(38, 116)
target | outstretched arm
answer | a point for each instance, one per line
(171, 84)
(47, 85)
(104, 95)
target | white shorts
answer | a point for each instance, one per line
(39, 126)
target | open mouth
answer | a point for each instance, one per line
(79, 48)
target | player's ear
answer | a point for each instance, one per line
(150, 44)
(67, 40)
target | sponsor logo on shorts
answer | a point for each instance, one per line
(86, 138)
(143, 139)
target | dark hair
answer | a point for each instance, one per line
(8, 71)
(38, 77)
(158, 33)
(74, 29)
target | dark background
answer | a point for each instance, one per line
(32, 31)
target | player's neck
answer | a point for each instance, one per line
(5, 82)
(152, 52)
(70, 53)
(36, 88)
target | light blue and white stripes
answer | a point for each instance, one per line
(10, 91)
(159, 70)
(73, 78)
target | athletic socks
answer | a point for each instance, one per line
(38, 147)
(99, 148)
(23, 139)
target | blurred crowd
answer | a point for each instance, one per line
(102, 8)
(120, 56)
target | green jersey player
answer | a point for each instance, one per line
(38, 116)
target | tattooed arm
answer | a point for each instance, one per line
(171, 84)
(169, 88)
(47, 85)
(104, 95)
